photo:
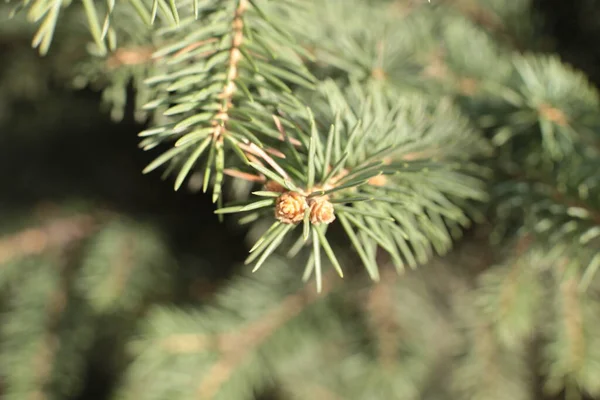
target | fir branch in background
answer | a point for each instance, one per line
(59, 280)
(510, 296)
(226, 348)
(55, 233)
(572, 348)
(552, 100)
(45, 331)
(558, 208)
(397, 339)
(43, 353)
(125, 263)
(388, 50)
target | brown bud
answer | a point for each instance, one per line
(290, 207)
(321, 211)
(272, 186)
(553, 114)
(378, 180)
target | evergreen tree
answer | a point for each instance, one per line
(381, 200)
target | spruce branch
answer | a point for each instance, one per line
(488, 371)
(502, 21)
(557, 206)
(224, 347)
(551, 100)
(234, 348)
(124, 264)
(59, 280)
(222, 92)
(54, 234)
(350, 174)
(383, 52)
(42, 354)
(384, 171)
(570, 351)
(380, 308)
(510, 297)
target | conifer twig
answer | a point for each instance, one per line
(235, 346)
(235, 56)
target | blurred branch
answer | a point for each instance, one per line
(43, 363)
(234, 347)
(380, 309)
(572, 315)
(485, 19)
(57, 233)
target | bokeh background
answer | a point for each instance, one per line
(67, 168)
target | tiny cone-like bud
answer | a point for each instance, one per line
(321, 211)
(290, 207)
(272, 186)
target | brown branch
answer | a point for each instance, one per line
(486, 349)
(123, 265)
(235, 347)
(507, 294)
(56, 233)
(235, 55)
(380, 307)
(573, 322)
(50, 343)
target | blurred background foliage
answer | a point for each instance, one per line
(131, 252)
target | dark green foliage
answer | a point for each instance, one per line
(60, 278)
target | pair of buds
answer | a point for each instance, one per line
(290, 208)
